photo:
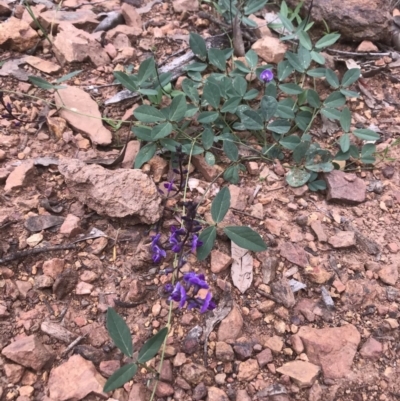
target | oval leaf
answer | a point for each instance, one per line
(120, 377)
(197, 45)
(148, 114)
(297, 177)
(350, 77)
(177, 109)
(366, 134)
(145, 154)
(151, 346)
(119, 332)
(220, 205)
(344, 142)
(208, 237)
(246, 238)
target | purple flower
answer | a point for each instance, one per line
(169, 186)
(179, 294)
(168, 288)
(157, 252)
(197, 280)
(208, 303)
(196, 243)
(267, 76)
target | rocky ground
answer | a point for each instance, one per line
(316, 316)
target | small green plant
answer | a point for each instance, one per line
(120, 334)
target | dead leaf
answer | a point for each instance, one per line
(39, 223)
(242, 268)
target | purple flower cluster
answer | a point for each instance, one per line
(267, 76)
(157, 252)
(186, 291)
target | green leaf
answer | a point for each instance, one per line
(316, 72)
(368, 149)
(279, 126)
(120, 377)
(67, 76)
(300, 151)
(297, 177)
(221, 204)
(145, 154)
(191, 110)
(335, 99)
(146, 69)
(268, 107)
(148, 114)
(284, 69)
(253, 6)
(320, 167)
(209, 158)
(231, 174)
(291, 89)
(43, 84)
(231, 150)
(366, 134)
(285, 111)
(177, 108)
(207, 117)
(251, 94)
(334, 114)
(303, 119)
(348, 93)
(290, 142)
(211, 94)
(317, 185)
(240, 85)
(151, 346)
(294, 61)
(142, 132)
(246, 238)
(327, 40)
(252, 120)
(148, 92)
(207, 138)
(196, 66)
(367, 159)
(189, 87)
(119, 332)
(305, 40)
(350, 77)
(217, 58)
(304, 57)
(252, 59)
(161, 131)
(345, 120)
(313, 98)
(317, 57)
(197, 45)
(344, 142)
(332, 78)
(286, 22)
(207, 237)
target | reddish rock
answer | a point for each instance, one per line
(193, 373)
(53, 267)
(273, 226)
(17, 35)
(138, 393)
(231, 327)
(317, 274)
(238, 198)
(294, 253)
(45, 66)
(270, 49)
(81, 19)
(371, 349)
(131, 16)
(164, 389)
(28, 352)
(315, 393)
(131, 151)
(343, 239)
(331, 348)
(274, 343)
(107, 368)
(389, 274)
(318, 229)
(75, 379)
(207, 171)
(13, 372)
(224, 352)
(302, 373)
(216, 394)
(97, 334)
(219, 261)
(264, 357)
(297, 344)
(70, 227)
(83, 288)
(248, 370)
(345, 187)
(23, 287)
(185, 5)
(18, 177)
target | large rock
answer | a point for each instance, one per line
(81, 19)
(270, 49)
(346, 188)
(17, 35)
(28, 352)
(75, 379)
(331, 348)
(355, 20)
(117, 193)
(74, 98)
(302, 373)
(73, 45)
(231, 327)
